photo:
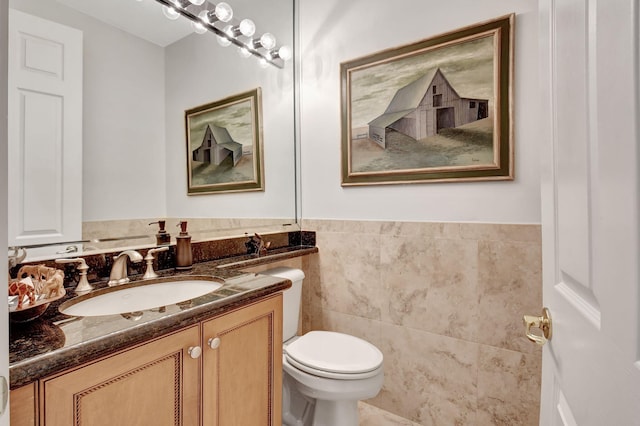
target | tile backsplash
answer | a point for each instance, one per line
(444, 303)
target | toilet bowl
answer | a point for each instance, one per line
(325, 373)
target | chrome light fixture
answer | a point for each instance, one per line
(219, 19)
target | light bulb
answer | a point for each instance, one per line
(198, 27)
(247, 27)
(170, 13)
(224, 41)
(285, 53)
(244, 52)
(223, 12)
(196, 2)
(268, 41)
(204, 16)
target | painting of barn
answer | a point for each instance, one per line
(424, 107)
(217, 145)
(224, 145)
(436, 110)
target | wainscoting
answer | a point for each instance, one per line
(444, 303)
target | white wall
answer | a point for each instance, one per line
(123, 107)
(332, 32)
(124, 150)
(199, 71)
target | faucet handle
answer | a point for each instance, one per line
(83, 284)
(150, 273)
(16, 258)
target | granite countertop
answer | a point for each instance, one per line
(56, 342)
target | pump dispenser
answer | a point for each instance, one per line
(163, 238)
(184, 257)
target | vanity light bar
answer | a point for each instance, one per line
(195, 11)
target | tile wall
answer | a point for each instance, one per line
(444, 303)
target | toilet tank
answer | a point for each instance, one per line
(291, 299)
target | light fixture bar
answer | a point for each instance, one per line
(191, 11)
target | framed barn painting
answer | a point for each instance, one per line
(224, 145)
(437, 110)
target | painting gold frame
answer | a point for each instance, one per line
(224, 145)
(438, 110)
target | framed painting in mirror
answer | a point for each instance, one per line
(437, 110)
(224, 145)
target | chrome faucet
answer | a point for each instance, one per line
(119, 268)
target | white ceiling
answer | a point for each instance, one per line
(143, 19)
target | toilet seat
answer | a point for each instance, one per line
(334, 355)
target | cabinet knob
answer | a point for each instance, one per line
(214, 342)
(195, 351)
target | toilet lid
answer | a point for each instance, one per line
(334, 352)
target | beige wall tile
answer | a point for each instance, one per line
(510, 285)
(501, 232)
(508, 387)
(429, 379)
(431, 284)
(425, 229)
(349, 273)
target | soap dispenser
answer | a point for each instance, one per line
(184, 257)
(162, 237)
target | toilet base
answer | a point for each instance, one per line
(301, 410)
(297, 409)
(335, 413)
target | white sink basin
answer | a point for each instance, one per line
(137, 297)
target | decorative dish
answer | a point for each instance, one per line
(31, 293)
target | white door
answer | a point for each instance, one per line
(590, 219)
(45, 131)
(4, 309)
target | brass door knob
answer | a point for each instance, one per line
(542, 322)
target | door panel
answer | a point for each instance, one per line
(589, 75)
(45, 131)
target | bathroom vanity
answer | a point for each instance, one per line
(224, 370)
(214, 360)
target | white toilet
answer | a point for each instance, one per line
(325, 373)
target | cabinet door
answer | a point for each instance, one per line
(23, 406)
(153, 384)
(242, 371)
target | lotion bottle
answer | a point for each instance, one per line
(184, 257)
(162, 237)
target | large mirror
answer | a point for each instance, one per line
(140, 73)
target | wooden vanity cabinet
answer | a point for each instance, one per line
(242, 364)
(223, 371)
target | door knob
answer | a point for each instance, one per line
(542, 322)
